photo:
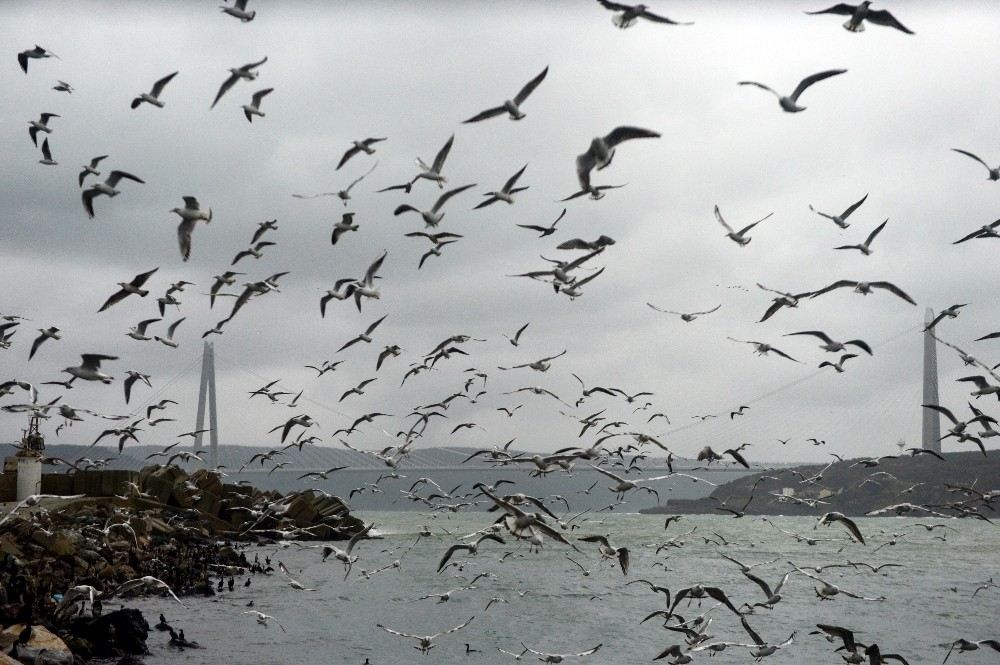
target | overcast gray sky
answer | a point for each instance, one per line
(411, 72)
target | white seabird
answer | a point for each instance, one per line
(253, 109)
(789, 104)
(245, 72)
(511, 107)
(190, 215)
(153, 96)
(107, 188)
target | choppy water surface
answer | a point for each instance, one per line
(928, 601)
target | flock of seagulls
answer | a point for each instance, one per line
(521, 521)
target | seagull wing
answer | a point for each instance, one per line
(624, 133)
(374, 268)
(892, 288)
(161, 84)
(836, 285)
(261, 94)
(815, 333)
(942, 410)
(116, 176)
(750, 226)
(224, 88)
(969, 154)
(656, 18)
(443, 154)
(843, 9)
(883, 17)
(853, 207)
(607, 473)
(487, 114)
(761, 86)
(815, 78)
(873, 234)
(718, 218)
(529, 87)
(456, 628)
(513, 179)
(447, 195)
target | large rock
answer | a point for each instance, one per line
(56, 651)
(120, 632)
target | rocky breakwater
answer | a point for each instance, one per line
(62, 560)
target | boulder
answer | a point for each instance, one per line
(56, 651)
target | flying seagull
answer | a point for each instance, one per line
(153, 96)
(994, 173)
(107, 188)
(356, 147)
(685, 316)
(34, 53)
(865, 247)
(544, 231)
(831, 345)
(47, 155)
(861, 13)
(739, 237)
(239, 10)
(841, 219)
(245, 72)
(40, 125)
(433, 216)
(253, 109)
(506, 193)
(190, 215)
(91, 169)
(789, 104)
(424, 642)
(628, 14)
(602, 150)
(511, 107)
(865, 288)
(433, 172)
(129, 288)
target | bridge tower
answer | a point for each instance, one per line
(206, 393)
(932, 419)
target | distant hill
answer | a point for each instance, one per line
(850, 487)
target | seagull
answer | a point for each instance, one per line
(253, 109)
(544, 231)
(472, 548)
(256, 251)
(47, 155)
(45, 333)
(425, 642)
(433, 172)
(148, 583)
(190, 215)
(40, 125)
(985, 231)
(602, 151)
(365, 336)
(239, 10)
(357, 390)
(839, 365)
(262, 618)
(829, 518)
(433, 216)
(106, 188)
(783, 300)
(762, 348)
(541, 365)
(153, 96)
(357, 147)
(865, 288)
(228, 278)
(963, 644)
(511, 107)
(345, 224)
(34, 53)
(600, 242)
(841, 219)
(994, 173)
(262, 228)
(235, 74)
(506, 193)
(789, 104)
(91, 169)
(130, 288)
(435, 250)
(950, 312)
(169, 339)
(865, 247)
(344, 555)
(862, 12)
(517, 335)
(629, 14)
(685, 316)
(831, 345)
(983, 387)
(131, 380)
(559, 657)
(740, 238)
(608, 551)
